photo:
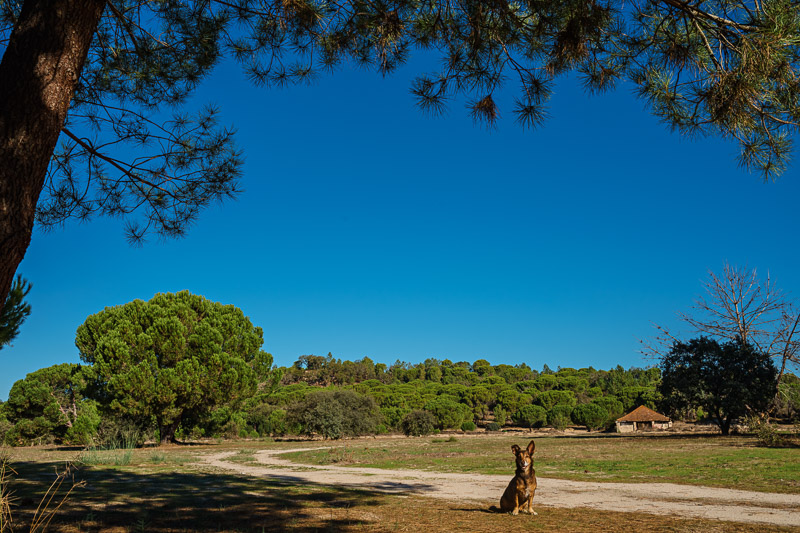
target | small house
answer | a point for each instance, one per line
(642, 418)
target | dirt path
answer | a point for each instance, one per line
(654, 498)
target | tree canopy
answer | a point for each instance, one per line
(727, 380)
(171, 359)
(14, 311)
(101, 76)
(49, 404)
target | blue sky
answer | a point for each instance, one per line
(370, 229)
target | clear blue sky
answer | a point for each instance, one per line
(370, 229)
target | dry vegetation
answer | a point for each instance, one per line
(164, 490)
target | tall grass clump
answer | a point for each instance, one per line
(51, 502)
(5, 495)
(115, 449)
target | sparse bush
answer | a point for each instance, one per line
(765, 433)
(418, 423)
(492, 426)
(590, 415)
(560, 416)
(468, 426)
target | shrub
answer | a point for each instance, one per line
(492, 426)
(418, 423)
(334, 414)
(468, 426)
(530, 416)
(84, 429)
(559, 416)
(766, 434)
(267, 420)
(590, 415)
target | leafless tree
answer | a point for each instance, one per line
(738, 305)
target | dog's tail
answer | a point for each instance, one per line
(494, 509)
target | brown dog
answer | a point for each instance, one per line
(519, 493)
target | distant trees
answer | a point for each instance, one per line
(727, 380)
(530, 416)
(48, 405)
(173, 358)
(189, 368)
(590, 415)
(14, 311)
(560, 416)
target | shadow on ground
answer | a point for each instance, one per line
(127, 500)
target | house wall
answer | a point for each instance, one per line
(630, 427)
(626, 427)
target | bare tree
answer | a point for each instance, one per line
(738, 305)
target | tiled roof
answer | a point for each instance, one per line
(643, 414)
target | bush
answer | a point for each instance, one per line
(418, 423)
(492, 426)
(84, 429)
(267, 420)
(468, 426)
(559, 416)
(530, 416)
(334, 414)
(590, 415)
(765, 433)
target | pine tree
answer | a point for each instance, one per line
(99, 75)
(14, 311)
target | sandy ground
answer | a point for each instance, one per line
(654, 498)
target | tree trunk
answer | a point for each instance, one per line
(38, 75)
(168, 431)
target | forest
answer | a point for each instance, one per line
(180, 367)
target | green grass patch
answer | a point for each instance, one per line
(731, 462)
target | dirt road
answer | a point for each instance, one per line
(654, 498)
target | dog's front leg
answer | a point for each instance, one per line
(530, 505)
(517, 504)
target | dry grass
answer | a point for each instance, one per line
(163, 491)
(727, 462)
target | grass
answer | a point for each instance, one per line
(163, 490)
(141, 497)
(730, 462)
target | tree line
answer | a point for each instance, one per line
(181, 367)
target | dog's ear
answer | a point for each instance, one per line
(531, 447)
(515, 449)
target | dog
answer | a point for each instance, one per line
(519, 493)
